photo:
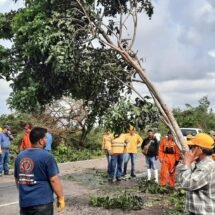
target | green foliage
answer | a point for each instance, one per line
(66, 154)
(54, 55)
(124, 201)
(140, 114)
(113, 7)
(72, 150)
(200, 116)
(146, 186)
(175, 198)
(6, 31)
(66, 145)
(4, 63)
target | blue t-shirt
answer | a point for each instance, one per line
(48, 142)
(33, 169)
(4, 140)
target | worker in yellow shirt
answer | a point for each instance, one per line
(106, 147)
(135, 140)
(118, 148)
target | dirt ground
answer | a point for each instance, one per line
(83, 179)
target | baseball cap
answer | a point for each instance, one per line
(131, 128)
(203, 140)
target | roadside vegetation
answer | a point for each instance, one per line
(69, 144)
(130, 194)
(124, 201)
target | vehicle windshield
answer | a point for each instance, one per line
(185, 132)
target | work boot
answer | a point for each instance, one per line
(148, 174)
(124, 174)
(118, 178)
(156, 175)
(133, 175)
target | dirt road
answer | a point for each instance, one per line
(79, 181)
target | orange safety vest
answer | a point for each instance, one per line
(26, 143)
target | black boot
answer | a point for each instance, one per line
(133, 175)
(124, 173)
(118, 178)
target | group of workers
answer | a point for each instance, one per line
(6, 137)
(35, 170)
(124, 148)
(196, 170)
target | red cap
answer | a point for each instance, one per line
(27, 126)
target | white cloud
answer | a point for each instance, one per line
(177, 93)
(5, 90)
(211, 53)
(2, 2)
(178, 49)
(175, 44)
(7, 5)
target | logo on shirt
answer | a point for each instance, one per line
(26, 165)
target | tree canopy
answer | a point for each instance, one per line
(200, 116)
(77, 48)
(53, 55)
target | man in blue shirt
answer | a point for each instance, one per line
(36, 174)
(49, 141)
(5, 145)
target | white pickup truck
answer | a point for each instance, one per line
(192, 131)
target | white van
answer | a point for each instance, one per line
(192, 131)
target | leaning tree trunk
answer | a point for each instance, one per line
(117, 45)
(169, 119)
(166, 113)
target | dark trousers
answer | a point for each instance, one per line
(47, 209)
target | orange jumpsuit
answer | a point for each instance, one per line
(26, 143)
(168, 162)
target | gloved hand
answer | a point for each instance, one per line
(60, 203)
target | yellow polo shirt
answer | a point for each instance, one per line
(106, 141)
(134, 141)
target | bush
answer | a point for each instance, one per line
(175, 197)
(124, 201)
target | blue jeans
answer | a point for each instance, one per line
(116, 165)
(151, 162)
(108, 160)
(47, 209)
(4, 160)
(127, 157)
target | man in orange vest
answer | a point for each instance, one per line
(169, 155)
(26, 144)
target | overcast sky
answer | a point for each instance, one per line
(178, 48)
